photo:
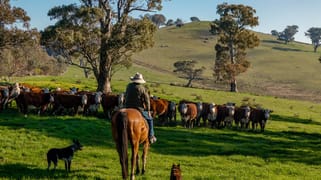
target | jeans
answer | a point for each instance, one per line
(149, 120)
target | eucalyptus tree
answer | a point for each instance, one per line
(158, 19)
(315, 35)
(233, 40)
(287, 35)
(14, 25)
(102, 33)
(20, 52)
(187, 70)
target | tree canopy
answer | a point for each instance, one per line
(11, 18)
(287, 35)
(102, 33)
(158, 19)
(187, 70)
(20, 52)
(315, 35)
(233, 40)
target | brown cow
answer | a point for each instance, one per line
(38, 100)
(159, 108)
(188, 113)
(110, 102)
(69, 101)
(259, 116)
(199, 107)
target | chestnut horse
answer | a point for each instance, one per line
(129, 125)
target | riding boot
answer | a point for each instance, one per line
(152, 138)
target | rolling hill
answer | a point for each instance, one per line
(277, 69)
(288, 149)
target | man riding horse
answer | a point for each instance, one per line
(137, 96)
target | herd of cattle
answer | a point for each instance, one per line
(72, 101)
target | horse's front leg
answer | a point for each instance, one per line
(144, 156)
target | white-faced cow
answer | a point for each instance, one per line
(212, 113)
(242, 116)
(93, 102)
(259, 116)
(188, 112)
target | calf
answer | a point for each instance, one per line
(259, 116)
(188, 113)
(65, 154)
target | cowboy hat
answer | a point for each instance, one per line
(138, 78)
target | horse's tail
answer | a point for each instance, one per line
(122, 122)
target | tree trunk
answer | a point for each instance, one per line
(233, 85)
(189, 83)
(104, 77)
(104, 84)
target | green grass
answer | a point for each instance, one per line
(290, 148)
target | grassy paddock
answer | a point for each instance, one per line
(290, 148)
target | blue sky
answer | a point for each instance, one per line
(273, 14)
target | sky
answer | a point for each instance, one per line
(273, 14)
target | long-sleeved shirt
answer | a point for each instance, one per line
(136, 96)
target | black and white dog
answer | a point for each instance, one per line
(65, 154)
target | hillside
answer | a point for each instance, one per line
(289, 71)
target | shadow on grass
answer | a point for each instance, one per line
(288, 49)
(290, 119)
(273, 41)
(25, 171)
(293, 146)
(90, 131)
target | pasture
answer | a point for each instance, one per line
(290, 148)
